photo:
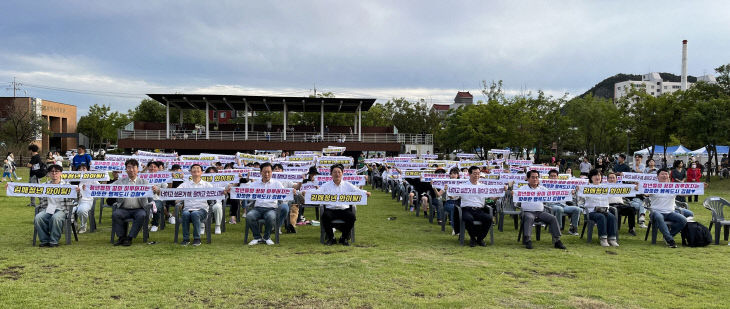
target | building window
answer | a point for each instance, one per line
(652, 93)
(665, 87)
(223, 115)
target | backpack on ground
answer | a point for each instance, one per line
(695, 234)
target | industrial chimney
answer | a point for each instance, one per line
(684, 64)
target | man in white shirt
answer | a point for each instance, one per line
(263, 209)
(472, 209)
(338, 212)
(194, 211)
(536, 210)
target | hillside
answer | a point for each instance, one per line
(604, 89)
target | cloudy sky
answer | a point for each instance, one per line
(113, 52)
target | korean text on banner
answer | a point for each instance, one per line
(118, 191)
(672, 188)
(478, 190)
(555, 196)
(336, 198)
(169, 194)
(41, 190)
(258, 193)
(606, 190)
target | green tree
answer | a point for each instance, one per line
(20, 126)
(101, 125)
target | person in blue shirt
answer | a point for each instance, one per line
(81, 158)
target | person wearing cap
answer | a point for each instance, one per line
(338, 212)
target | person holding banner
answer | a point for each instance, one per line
(285, 206)
(451, 202)
(263, 209)
(217, 207)
(622, 208)
(85, 203)
(663, 210)
(154, 167)
(338, 212)
(52, 211)
(559, 209)
(597, 209)
(472, 209)
(194, 211)
(536, 210)
(129, 208)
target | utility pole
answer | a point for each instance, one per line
(15, 86)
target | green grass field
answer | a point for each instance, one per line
(406, 262)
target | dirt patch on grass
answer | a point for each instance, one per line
(12, 272)
(359, 245)
(298, 302)
(588, 303)
(553, 274)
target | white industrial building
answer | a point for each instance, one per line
(653, 84)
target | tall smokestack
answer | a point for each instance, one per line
(684, 64)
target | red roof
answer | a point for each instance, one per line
(464, 94)
(440, 107)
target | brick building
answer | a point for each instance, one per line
(60, 117)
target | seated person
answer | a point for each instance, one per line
(338, 212)
(52, 211)
(663, 211)
(129, 208)
(158, 212)
(217, 207)
(85, 203)
(535, 210)
(621, 206)
(597, 209)
(194, 211)
(450, 202)
(558, 209)
(285, 205)
(472, 209)
(263, 209)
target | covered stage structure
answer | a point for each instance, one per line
(355, 138)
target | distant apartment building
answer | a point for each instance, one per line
(653, 84)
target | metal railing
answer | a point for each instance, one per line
(415, 139)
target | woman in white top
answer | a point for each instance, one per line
(597, 208)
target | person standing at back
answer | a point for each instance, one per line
(81, 158)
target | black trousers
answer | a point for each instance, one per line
(119, 225)
(345, 215)
(630, 212)
(472, 214)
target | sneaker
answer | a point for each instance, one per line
(613, 243)
(632, 232)
(671, 243)
(559, 245)
(171, 220)
(82, 230)
(269, 242)
(45, 244)
(196, 242)
(481, 243)
(153, 228)
(330, 242)
(217, 229)
(119, 241)
(642, 225)
(690, 219)
(185, 243)
(472, 242)
(573, 231)
(604, 242)
(344, 241)
(243, 216)
(127, 242)
(232, 221)
(254, 242)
